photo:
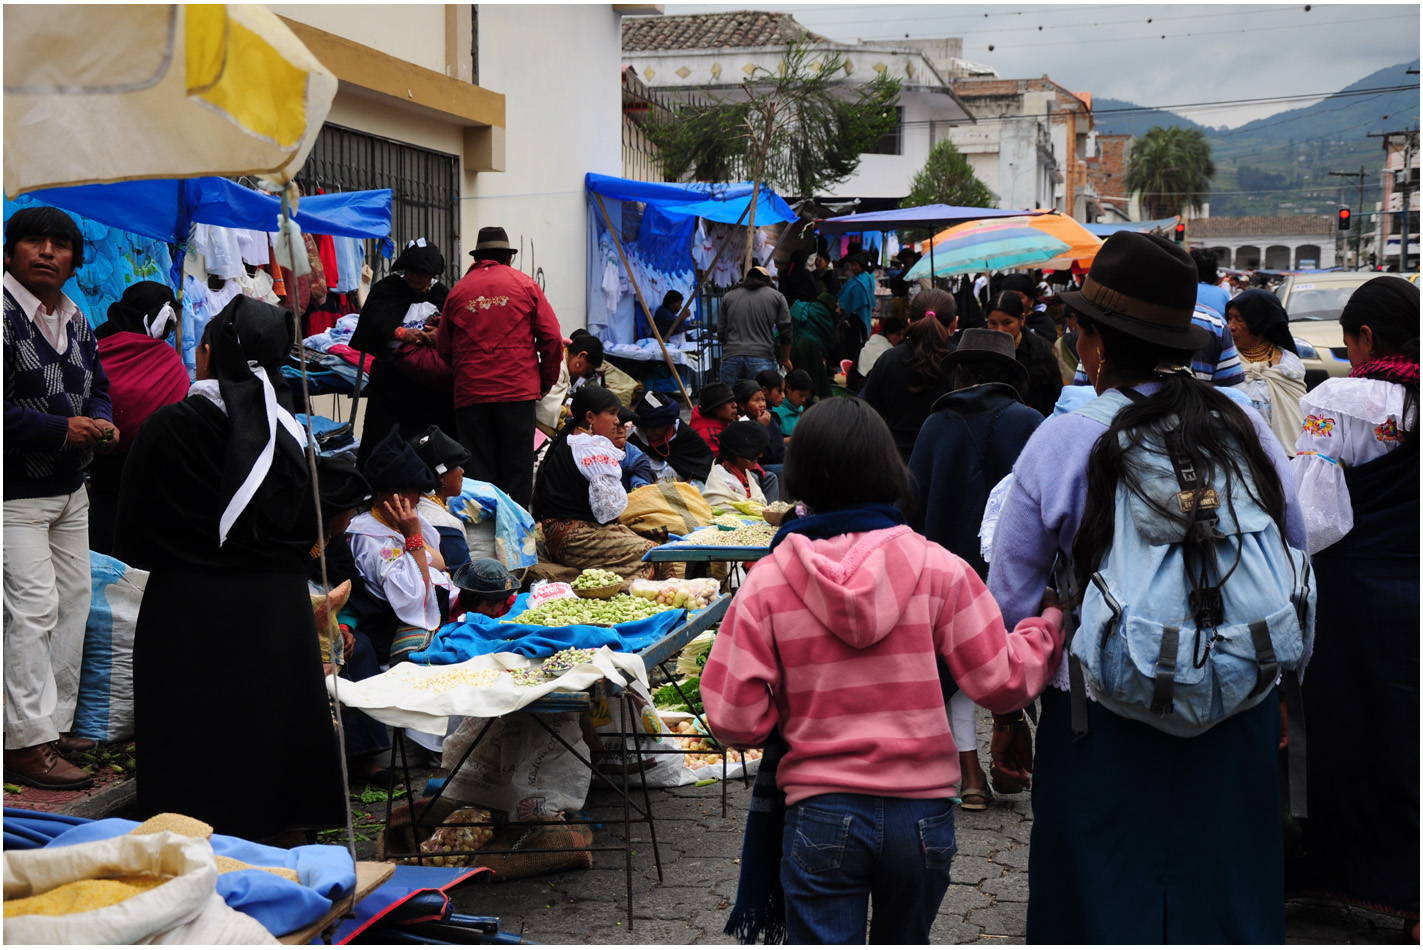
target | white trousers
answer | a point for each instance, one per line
(963, 715)
(47, 585)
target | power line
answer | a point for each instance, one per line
(1187, 106)
(1215, 34)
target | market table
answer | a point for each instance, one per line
(369, 876)
(658, 653)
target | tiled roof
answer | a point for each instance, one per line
(714, 31)
(1262, 226)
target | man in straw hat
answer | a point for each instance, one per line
(501, 336)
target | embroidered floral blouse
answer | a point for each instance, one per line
(1347, 422)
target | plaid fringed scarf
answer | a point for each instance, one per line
(1392, 369)
(760, 909)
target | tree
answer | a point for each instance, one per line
(799, 129)
(1172, 169)
(947, 179)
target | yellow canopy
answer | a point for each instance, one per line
(112, 92)
(1082, 244)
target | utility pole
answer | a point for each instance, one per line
(1410, 136)
(1353, 218)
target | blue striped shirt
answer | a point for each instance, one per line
(1216, 362)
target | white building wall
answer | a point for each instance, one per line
(558, 68)
(414, 32)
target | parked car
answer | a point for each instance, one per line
(1314, 302)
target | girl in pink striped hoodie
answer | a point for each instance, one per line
(836, 641)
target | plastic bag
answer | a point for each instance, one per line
(544, 591)
(104, 706)
(518, 769)
(648, 757)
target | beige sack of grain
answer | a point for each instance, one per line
(184, 909)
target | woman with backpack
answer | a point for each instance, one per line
(834, 643)
(1140, 835)
(1357, 475)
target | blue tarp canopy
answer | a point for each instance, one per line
(724, 203)
(162, 208)
(923, 216)
(1102, 230)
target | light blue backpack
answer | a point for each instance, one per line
(1177, 652)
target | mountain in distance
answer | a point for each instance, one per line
(1279, 164)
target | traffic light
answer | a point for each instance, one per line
(1180, 232)
(1343, 219)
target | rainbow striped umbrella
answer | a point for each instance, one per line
(985, 246)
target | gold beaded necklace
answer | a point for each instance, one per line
(1263, 353)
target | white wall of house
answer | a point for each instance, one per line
(558, 68)
(414, 32)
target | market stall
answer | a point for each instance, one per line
(678, 230)
(516, 683)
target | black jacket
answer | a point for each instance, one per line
(1044, 375)
(967, 445)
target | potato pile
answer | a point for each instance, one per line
(462, 837)
(690, 594)
(702, 750)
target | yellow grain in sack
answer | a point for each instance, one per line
(675, 507)
(79, 897)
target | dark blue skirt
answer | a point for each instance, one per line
(1141, 837)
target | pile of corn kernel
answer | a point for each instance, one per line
(455, 678)
(742, 536)
(78, 897)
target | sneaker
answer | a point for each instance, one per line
(41, 766)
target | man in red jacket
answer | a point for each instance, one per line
(501, 337)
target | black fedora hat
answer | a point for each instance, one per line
(492, 239)
(990, 346)
(1145, 286)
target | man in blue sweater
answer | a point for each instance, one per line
(57, 412)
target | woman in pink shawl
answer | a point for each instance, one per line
(144, 373)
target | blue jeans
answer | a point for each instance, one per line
(743, 367)
(841, 852)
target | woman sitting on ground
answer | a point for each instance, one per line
(637, 467)
(1005, 313)
(446, 459)
(1274, 374)
(406, 594)
(907, 380)
(733, 477)
(673, 447)
(715, 411)
(798, 396)
(751, 406)
(579, 494)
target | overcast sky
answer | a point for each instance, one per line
(1210, 53)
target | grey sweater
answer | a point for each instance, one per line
(750, 321)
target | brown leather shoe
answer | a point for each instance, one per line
(68, 745)
(40, 766)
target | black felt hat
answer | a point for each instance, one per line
(744, 439)
(990, 346)
(1145, 286)
(715, 394)
(394, 466)
(342, 487)
(492, 239)
(656, 409)
(438, 451)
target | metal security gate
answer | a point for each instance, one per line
(425, 184)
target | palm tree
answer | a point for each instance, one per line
(1172, 169)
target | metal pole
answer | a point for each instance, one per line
(618, 242)
(1359, 234)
